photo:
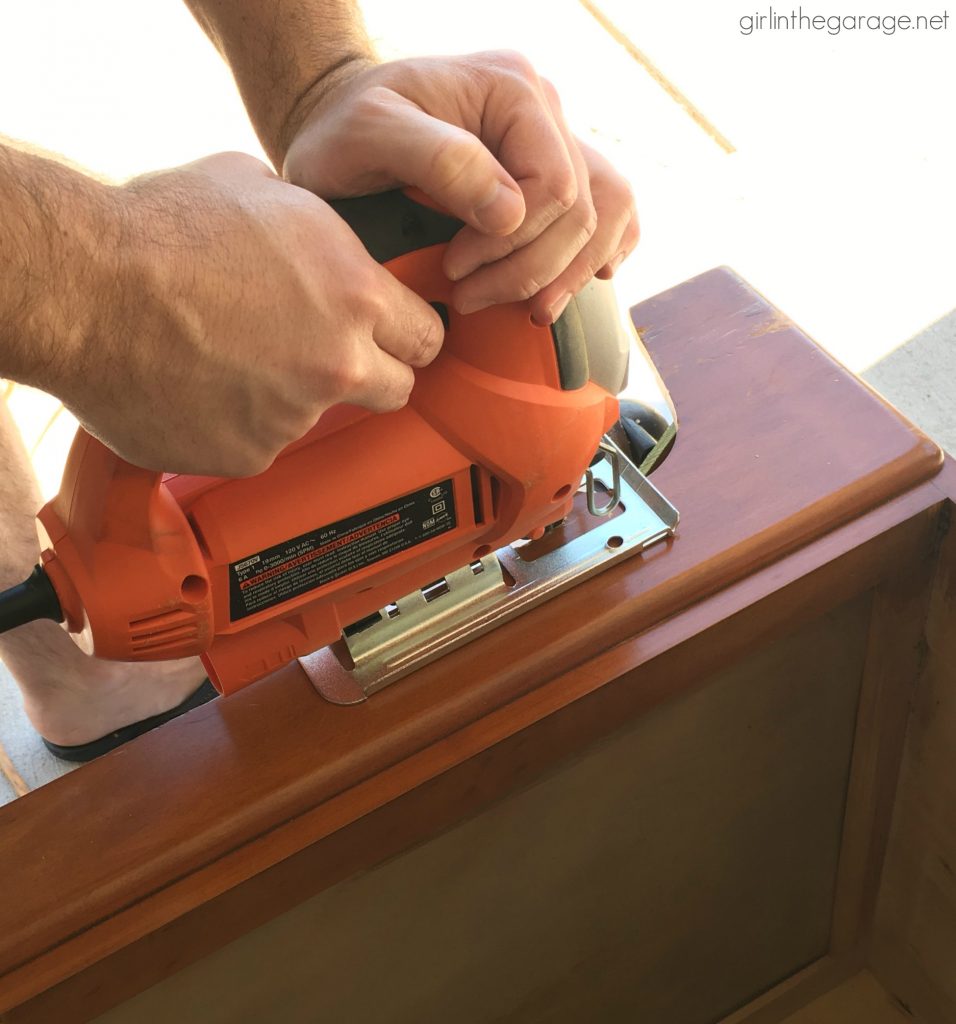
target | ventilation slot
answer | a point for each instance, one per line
(495, 496)
(476, 495)
(165, 630)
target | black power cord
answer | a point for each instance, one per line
(28, 601)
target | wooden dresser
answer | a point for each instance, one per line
(715, 783)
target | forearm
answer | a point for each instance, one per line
(59, 234)
(282, 52)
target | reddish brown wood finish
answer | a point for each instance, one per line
(797, 488)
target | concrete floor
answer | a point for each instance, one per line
(837, 202)
(919, 378)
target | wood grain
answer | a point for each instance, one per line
(914, 941)
(222, 815)
(517, 744)
(699, 839)
(895, 658)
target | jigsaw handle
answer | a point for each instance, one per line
(393, 224)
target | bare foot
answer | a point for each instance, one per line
(71, 698)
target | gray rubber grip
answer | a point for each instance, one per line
(571, 348)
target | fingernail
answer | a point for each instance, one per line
(502, 212)
(559, 307)
(616, 261)
(473, 306)
(456, 269)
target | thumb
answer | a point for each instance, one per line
(453, 167)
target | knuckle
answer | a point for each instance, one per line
(589, 219)
(393, 393)
(372, 102)
(618, 193)
(353, 375)
(516, 63)
(403, 393)
(402, 389)
(528, 287)
(563, 187)
(550, 92)
(452, 158)
(427, 346)
(344, 377)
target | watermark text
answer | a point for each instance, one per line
(833, 24)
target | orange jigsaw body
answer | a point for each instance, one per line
(251, 573)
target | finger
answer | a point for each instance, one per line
(522, 124)
(628, 243)
(448, 163)
(526, 271)
(551, 301)
(615, 237)
(452, 166)
(381, 383)
(407, 327)
(470, 250)
(402, 145)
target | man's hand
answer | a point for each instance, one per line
(200, 319)
(484, 136)
(244, 308)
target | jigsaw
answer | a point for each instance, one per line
(377, 542)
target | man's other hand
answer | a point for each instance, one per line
(485, 137)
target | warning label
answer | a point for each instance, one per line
(304, 563)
